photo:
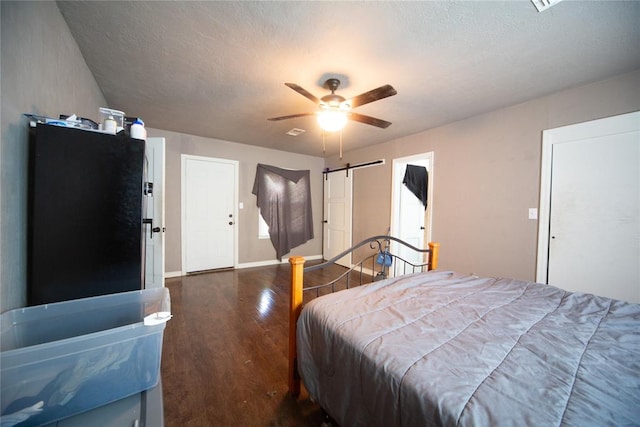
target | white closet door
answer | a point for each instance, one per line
(594, 231)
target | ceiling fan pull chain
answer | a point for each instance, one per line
(341, 144)
(323, 144)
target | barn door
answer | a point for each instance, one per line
(337, 215)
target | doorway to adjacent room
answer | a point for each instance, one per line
(410, 220)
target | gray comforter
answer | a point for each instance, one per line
(444, 349)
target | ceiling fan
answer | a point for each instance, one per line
(334, 110)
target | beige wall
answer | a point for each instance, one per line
(486, 168)
(486, 176)
(42, 72)
(251, 249)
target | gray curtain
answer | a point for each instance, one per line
(416, 179)
(284, 199)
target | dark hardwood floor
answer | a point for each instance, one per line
(224, 359)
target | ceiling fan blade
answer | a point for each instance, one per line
(303, 92)
(373, 95)
(292, 116)
(368, 120)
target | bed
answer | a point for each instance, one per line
(440, 348)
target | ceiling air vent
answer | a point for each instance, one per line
(544, 4)
(296, 132)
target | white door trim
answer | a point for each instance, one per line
(184, 158)
(395, 194)
(560, 135)
(158, 199)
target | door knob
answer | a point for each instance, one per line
(230, 222)
(156, 229)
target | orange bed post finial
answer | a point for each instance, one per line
(434, 248)
(295, 306)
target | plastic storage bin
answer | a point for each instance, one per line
(61, 359)
(107, 114)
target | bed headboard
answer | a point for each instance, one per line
(381, 261)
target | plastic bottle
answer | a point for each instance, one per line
(110, 125)
(137, 130)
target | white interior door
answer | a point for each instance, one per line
(411, 227)
(154, 233)
(209, 213)
(338, 187)
(409, 219)
(594, 208)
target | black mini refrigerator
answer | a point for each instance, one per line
(84, 215)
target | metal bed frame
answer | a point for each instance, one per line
(386, 264)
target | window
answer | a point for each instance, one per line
(263, 228)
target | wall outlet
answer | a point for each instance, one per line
(533, 213)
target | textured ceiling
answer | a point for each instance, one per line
(217, 69)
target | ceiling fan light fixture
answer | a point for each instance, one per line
(332, 119)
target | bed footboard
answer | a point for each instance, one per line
(295, 306)
(384, 257)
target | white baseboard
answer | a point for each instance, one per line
(274, 262)
(172, 274)
(368, 271)
(373, 273)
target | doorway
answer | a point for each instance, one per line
(589, 230)
(209, 212)
(410, 221)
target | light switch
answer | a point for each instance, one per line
(241, 205)
(533, 213)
